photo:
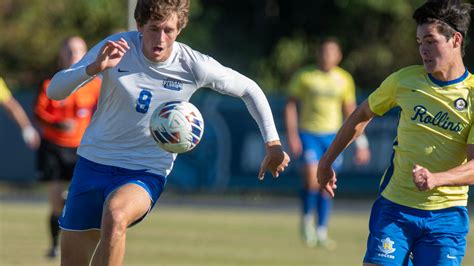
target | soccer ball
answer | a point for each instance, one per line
(177, 126)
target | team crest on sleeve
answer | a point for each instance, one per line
(460, 104)
(387, 248)
(172, 84)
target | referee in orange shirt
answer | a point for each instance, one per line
(62, 125)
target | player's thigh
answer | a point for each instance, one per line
(312, 151)
(312, 148)
(445, 240)
(77, 247)
(55, 195)
(390, 235)
(309, 176)
(127, 203)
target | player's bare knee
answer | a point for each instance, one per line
(313, 185)
(114, 222)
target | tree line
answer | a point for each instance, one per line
(266, 40)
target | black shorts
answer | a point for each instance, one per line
(55, 162)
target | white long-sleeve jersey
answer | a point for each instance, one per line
(119, 131)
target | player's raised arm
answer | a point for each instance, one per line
(104, 55)
(109, 56)
(352, 128)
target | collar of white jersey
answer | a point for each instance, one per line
(158, 64)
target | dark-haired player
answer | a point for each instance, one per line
(435, 132)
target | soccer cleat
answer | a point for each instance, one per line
(327, 243)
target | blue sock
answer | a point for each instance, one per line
(309, 201)
(324, 209)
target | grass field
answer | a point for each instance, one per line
(203, 234)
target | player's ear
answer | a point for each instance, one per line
(140, 27)
(457, 39)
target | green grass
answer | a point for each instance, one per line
(185, 235)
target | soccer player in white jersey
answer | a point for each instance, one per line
(419, 212)
(121, 172)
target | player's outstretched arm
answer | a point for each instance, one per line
(211, 74)
(275, 161)
(352, 128)
(29, 133)
(462, 175)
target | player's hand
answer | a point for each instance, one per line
(275, 161)
(362, 156)
(327, 178)
(423, 178)
(294, 143)
(109, 56)
(31, 137)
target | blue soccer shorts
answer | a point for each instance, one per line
(315, 145)
(433, 237)
(90, 186)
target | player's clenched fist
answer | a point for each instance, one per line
(423, 178)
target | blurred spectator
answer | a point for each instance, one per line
(324, 94)
(63, 123)
(14, 109)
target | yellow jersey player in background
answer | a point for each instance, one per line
(14, 109)
(435, 133)
(322, 95)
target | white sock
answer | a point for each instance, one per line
(322, 232)
(308, 220)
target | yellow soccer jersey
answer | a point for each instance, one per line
(4, 92)
(321, 95)
(433, 131)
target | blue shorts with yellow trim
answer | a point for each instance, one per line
(432, 237)
(315, 145)
(90, 186)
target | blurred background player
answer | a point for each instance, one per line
(121, 172)
(14, 109)
(435, 132)
(62, 125)
(322, 95)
